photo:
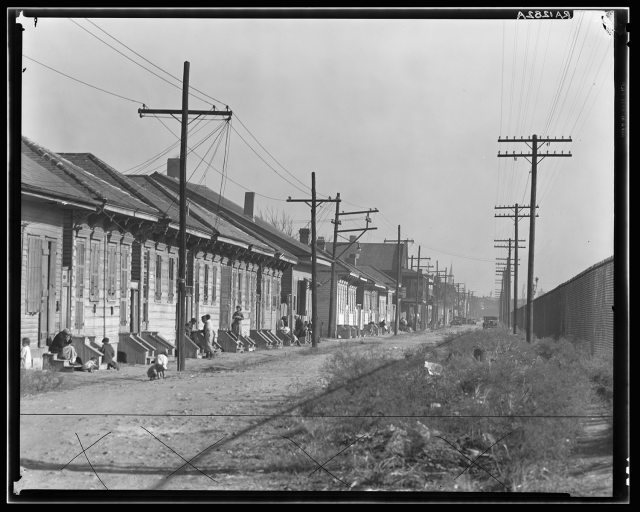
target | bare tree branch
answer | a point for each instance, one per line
(280, 220)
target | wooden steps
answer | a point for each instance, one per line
(261, 340)
(202, 344)
(158, 342)
(287, 338)
(277, 342)
(229, 342)
(134, 349)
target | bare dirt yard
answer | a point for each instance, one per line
(216, 426)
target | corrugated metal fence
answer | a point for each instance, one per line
(581, 308)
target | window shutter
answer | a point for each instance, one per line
(158, 277)
(196, 281)
(80, 266)
(171, 279)
(214, 280)
(240, 286)
(94, 279)
(34, 273)
(124, 284)
(206, 283)
(111, 279)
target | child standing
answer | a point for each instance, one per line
(25, 353)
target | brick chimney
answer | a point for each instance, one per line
(320, 243)
(173, 167)
(249, 199)
(354, 251)
(304, 235)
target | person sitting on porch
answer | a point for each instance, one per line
(403, 324)
(190, 328)
(238, 317)
(69, 353)
(60, 341)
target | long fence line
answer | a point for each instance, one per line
(581, 308)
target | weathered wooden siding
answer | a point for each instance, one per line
(45, 222)
(212, 305)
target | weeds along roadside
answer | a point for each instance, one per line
(34, 381)
(409, 426)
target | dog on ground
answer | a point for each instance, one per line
(155, 371)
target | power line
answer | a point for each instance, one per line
(158, 67)
(267, 163)
(84, 83)
(136, 63)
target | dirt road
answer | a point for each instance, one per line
(142, 434)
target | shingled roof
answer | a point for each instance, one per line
(378, 255)
(88, 185)
(213, 222)
(235, 213)
(37, 179)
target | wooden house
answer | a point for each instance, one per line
(283, 291)
(93, 253)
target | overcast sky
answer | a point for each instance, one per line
(399, 115)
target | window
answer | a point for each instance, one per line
(302, 297)
(94, 275)
(172, 280)
(147, 271)
(206, 283)
(80, 263)
(158, 277)
(276, 294)
(196, 282)
(111, 272)
(214, 277)
(124, 284)
(247, 289)
(34, 274)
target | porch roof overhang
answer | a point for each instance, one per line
(61, 202)
(130, 212)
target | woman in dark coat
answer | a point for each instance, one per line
(238, 317)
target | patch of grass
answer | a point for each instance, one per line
(34, 381)
(522, 395)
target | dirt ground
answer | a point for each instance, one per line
(214, 426)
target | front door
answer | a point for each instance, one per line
(135, 312)
(225, 297)
(48, 303)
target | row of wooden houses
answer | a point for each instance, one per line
(100, 258)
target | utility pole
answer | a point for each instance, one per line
(419, 281)
(332, 332)
(399, 281)
(314, 275)
(399, 278)
(532, 217)
(336, 223)
(516, 217)
(509, 271)
(182, 252)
